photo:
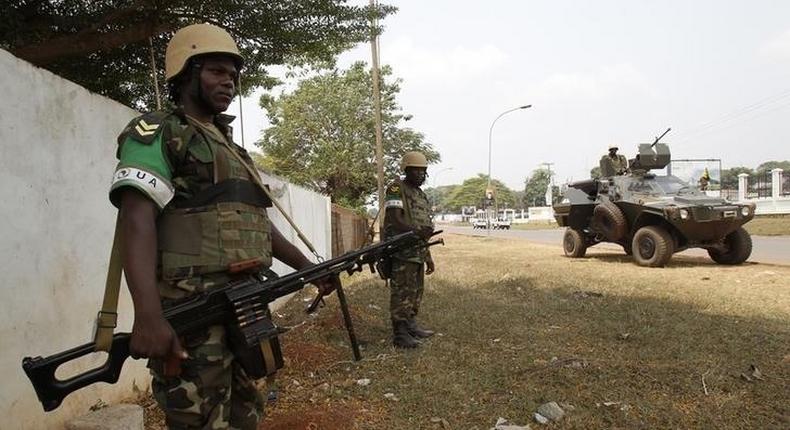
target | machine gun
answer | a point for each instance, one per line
(241, 306)
(660, 137)
(651, 156)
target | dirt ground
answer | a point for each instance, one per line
(692, 345)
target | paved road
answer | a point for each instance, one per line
(765, 249)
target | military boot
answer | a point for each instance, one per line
(401, 337)
(416, 331)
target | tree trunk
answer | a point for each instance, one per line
(79, 44)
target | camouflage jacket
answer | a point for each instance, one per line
(417, 210)
(212, 214)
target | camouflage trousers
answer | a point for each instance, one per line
(212, 392)
(406, 287)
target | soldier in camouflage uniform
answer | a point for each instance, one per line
(189, 210)
(613, 164)
(407, 209)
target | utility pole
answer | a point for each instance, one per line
(550, 190)
(374, 49)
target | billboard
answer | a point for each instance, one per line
(703, 173)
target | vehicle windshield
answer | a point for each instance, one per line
(661, 185)
(671, 185)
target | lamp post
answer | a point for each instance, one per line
(436, 176)
(550, 189)
(490, 131)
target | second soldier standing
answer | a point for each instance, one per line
(408, 209)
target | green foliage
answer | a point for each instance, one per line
(535, 188)
(729, 177)
(440, 196)
(323, 134)
(472, 193)
(770, 165)
(103, 45)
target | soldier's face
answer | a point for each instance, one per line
(416, 175)
(612, 152)
(218, 78)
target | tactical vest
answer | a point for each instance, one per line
(218, 215)
(418, 214)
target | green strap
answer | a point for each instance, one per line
(107, 318)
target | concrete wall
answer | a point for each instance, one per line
(56, 160)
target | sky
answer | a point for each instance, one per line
(595, 72)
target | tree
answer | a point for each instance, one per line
(770, 165)
(440, 196)
(103, 45)
(729, 177)
(535, 188)
(472, 193)
(323, 136)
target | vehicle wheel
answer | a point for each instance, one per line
(610, 221)
(652, 246)
(739, 248)
(574, 244)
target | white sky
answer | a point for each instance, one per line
(596, 72)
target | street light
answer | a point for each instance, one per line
(436, 176)
(490, 131)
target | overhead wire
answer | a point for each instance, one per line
(772, 103)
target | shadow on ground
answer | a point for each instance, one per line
(506, 347)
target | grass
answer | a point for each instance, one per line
(519, 325)
(769, 225)
(535, 225)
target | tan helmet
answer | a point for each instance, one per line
(613, 146)
(413, 159)
(194, 40)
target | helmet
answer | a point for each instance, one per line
(195, 40)
(613, 146)
(413, 159)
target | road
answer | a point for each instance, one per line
(765, 249)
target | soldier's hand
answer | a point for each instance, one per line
(326, 285)
(154, 337)
(430, 267)
(424, 232)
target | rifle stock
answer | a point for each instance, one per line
(240, 305)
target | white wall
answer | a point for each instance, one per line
(56, 160)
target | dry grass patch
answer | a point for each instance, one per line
(548, 225)
(519, 325)
(769, 225)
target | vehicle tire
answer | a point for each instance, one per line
(739, 248)
(609, 220)
(574, 243)
(652, 246)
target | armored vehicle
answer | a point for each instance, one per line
(652, 216)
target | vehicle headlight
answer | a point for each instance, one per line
(745, 210)
(684, 214)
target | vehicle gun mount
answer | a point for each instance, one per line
(651, 156)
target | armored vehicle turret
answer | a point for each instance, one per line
(652, 216)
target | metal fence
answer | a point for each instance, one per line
(785, 188)
(760, 185)
(729, 194)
